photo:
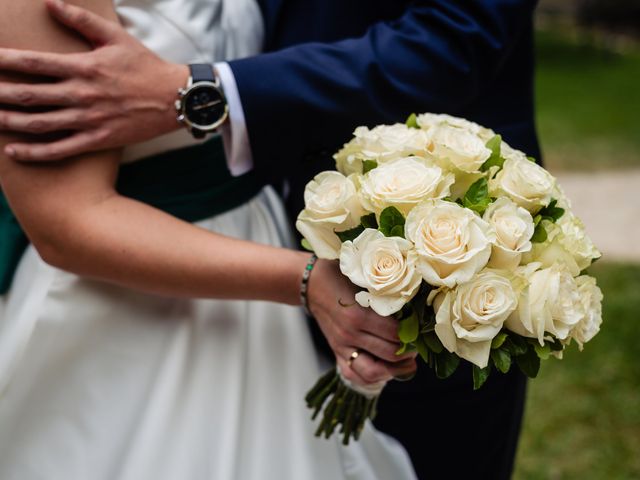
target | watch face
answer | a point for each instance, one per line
(204, 106)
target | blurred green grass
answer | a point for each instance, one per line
(582, 419)
(588, 103)
(583, 413)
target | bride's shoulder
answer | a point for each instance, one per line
(27, 24)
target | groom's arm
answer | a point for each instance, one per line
(439, 56)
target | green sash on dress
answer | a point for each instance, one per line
(191, 183)
(13, 242)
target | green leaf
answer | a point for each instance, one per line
(369, 221)
(480, 376)
(350, 235)
(551, 212)
(446, 363)
(498, 340)
(421, 346)
(536, 220)
(390, 218)
(368, 165)
(494, 144)
(501, 359)
(529, 363)
(406, 347)
(495, 160)
(539, 234)
(419, 302)
(306, 245)
(543, 352)
(516, 345)
(433, 342)
(477, 197)
(408, 329)
(478, 191)
(397, 231)
(412, 121)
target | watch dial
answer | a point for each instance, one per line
(204, 106)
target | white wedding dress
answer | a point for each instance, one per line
(101, 383)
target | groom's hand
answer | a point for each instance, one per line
(117, 94)
(349, 327)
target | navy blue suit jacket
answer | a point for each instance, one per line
(332, 65)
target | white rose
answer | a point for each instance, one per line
(385, 266)
(456, 148)
(514, 228)
(469, 317)
(426, 121)
(382, 143)
(349, 159)
(331, 203)
(561, 197)
(575, 240)
(591, 296)
(555, 305)
(551, 252)
(567, 243)
(526, 183)
(508, 152)
(452, 242)
(392, 141)
(403, 183)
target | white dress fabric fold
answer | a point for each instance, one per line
(99, 382)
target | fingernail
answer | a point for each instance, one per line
(10, 152)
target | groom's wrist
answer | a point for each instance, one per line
(177, 76)
(201, 106)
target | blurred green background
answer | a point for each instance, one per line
(582, 418)
(588, 101)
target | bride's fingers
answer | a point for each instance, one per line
(366, 320)
(380, 348)
(364, 369)
(383, 327)
(35, 95)
(349, 373)
(42, 63)
(91, 26)
(84, 141)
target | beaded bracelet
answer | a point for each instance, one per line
(304, 285)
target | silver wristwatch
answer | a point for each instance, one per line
(202, 106)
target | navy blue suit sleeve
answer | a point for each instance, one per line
(438, 56)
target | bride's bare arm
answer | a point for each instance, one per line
(77, 222)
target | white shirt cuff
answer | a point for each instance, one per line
(234, 132)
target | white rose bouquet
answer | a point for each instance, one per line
(466, 241)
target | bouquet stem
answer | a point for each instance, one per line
(345, 408)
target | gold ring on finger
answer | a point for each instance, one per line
(355, 354)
